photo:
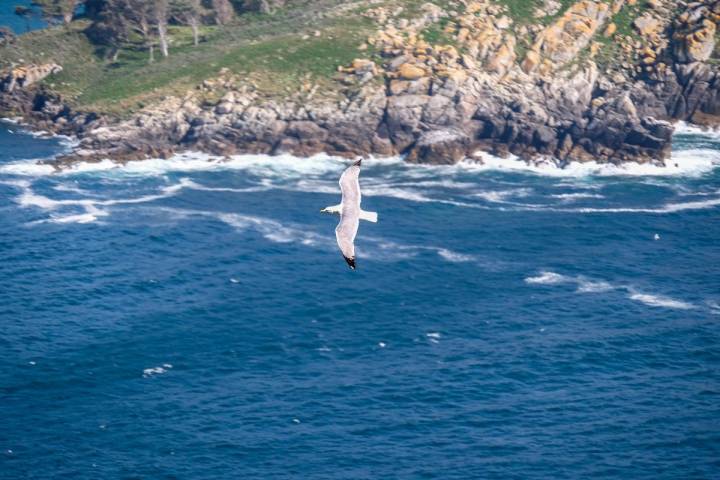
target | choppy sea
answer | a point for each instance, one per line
(193, 319)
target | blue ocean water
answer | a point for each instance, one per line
(19, 25)
(189, 319)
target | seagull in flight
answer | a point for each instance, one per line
(350, 212)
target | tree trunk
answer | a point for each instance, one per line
(195, 31)
(67, 18)
(115, 55)
(151, 48)
(162, 33)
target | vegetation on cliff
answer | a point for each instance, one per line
(105, 55)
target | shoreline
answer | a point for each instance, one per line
(691, 163)
(431, 101)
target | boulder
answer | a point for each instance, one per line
(646, 25)
(408, 71)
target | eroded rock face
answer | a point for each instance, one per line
(561, 41)
(695, 34)
(27, 75)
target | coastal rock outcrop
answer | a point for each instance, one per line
(531, 91)
(26, 75)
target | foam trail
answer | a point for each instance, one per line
(659, 301)
(571, 197)
(590, 286)
(454, 257)
(502, 196)
(585, 285)
(547, 278)
(667, 208)
(30, 199)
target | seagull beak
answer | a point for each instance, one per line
(357, 164)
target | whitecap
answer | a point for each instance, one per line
(433, 337)
(149, 372)
(659, 301)
(547, 278)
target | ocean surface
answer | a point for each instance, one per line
(193, 319)
(18, 24)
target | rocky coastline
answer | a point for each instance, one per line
(436, 103)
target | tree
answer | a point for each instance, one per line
(189, 12)
(137, 16)
(56, 11)
(161, 12)
(224, 11)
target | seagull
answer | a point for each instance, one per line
(350, 212)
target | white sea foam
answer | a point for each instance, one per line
(28, 198)
(273, 230)
(189, 162)
(592, 286)
(714, 307)
(149, 372)
(659, 301)
(454, 257)
(586, 285)
(683, 128)
(547, 278)
(667, 208)
(502, 196)
(571, 197)
(693, 162)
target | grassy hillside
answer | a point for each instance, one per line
(303, 43)
(277, 53)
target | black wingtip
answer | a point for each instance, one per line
(350, 262)
(358, 163)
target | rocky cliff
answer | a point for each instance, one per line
(573, 84)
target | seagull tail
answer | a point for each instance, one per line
(350, 262)
(369, 216)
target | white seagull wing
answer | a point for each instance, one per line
(347, 229)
